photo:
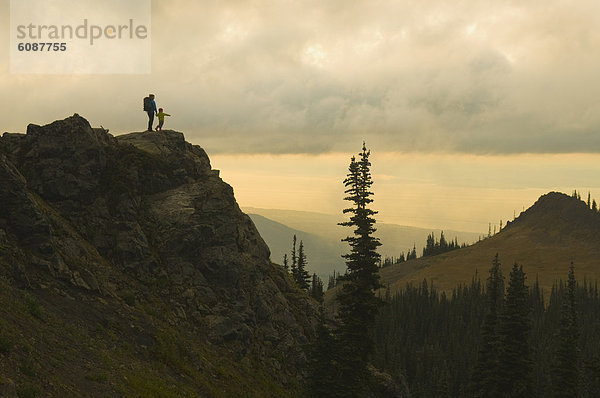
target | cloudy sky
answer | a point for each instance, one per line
(472, 109)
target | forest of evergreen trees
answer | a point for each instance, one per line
(298, 272)
(591, 203)
(470, 342)
(497, 339)
(433, 247)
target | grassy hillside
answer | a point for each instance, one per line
(544, 239)
(58, 345)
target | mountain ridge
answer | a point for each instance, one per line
(554, 231)
(323, 257)
(132, 259)
(395, 238)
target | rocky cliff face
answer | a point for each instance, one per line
(141, 224)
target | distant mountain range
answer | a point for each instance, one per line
(556, 230)
(323, 255)
(322, 236)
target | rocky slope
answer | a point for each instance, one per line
(128, 269)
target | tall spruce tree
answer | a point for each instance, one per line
(286, 266)
(565, 370)
(316, 288)
(332, 281)
(485, 381)
(302, 275)
(412, 254)
(358, 303)
(443, 243)
(322, 375)
(294, 267)
(589, 203)
(515, 364)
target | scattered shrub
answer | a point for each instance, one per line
(6, 344)
(34, 309)
(129, 298)
(28, 390)
(27, 369)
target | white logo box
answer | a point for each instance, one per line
(80, 36)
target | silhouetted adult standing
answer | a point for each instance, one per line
(150, 108)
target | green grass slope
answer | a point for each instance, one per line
(64, 344)
(544, 239)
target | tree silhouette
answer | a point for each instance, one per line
(294, 268)
(322, 366)
(485, 376)
(286, 266)
(302, 275)
(316, 288)
(358, 303)
(515, 364)
(565, 371)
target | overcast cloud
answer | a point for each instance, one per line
(320, 76)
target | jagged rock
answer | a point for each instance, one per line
(382, 385)
(19, 213)
(144, 214)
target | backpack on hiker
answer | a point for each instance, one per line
(148, 104)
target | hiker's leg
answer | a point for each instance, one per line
(150, 120)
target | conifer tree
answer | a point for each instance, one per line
(286, 266)
(412, 254)
(332, 282)
(322, 367)
(316, 288)
(302, 275)
(420, 335)
(358, 303)
(485, 376)
(429, 248)
(565, 371)
(294, 268)
(515, 364)
(443, 243)
(589, 203)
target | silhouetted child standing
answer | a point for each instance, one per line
(161, 119)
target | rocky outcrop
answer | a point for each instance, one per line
(84, 211)
(382, 385)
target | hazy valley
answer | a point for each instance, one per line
(128, 269)
(323, 237)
